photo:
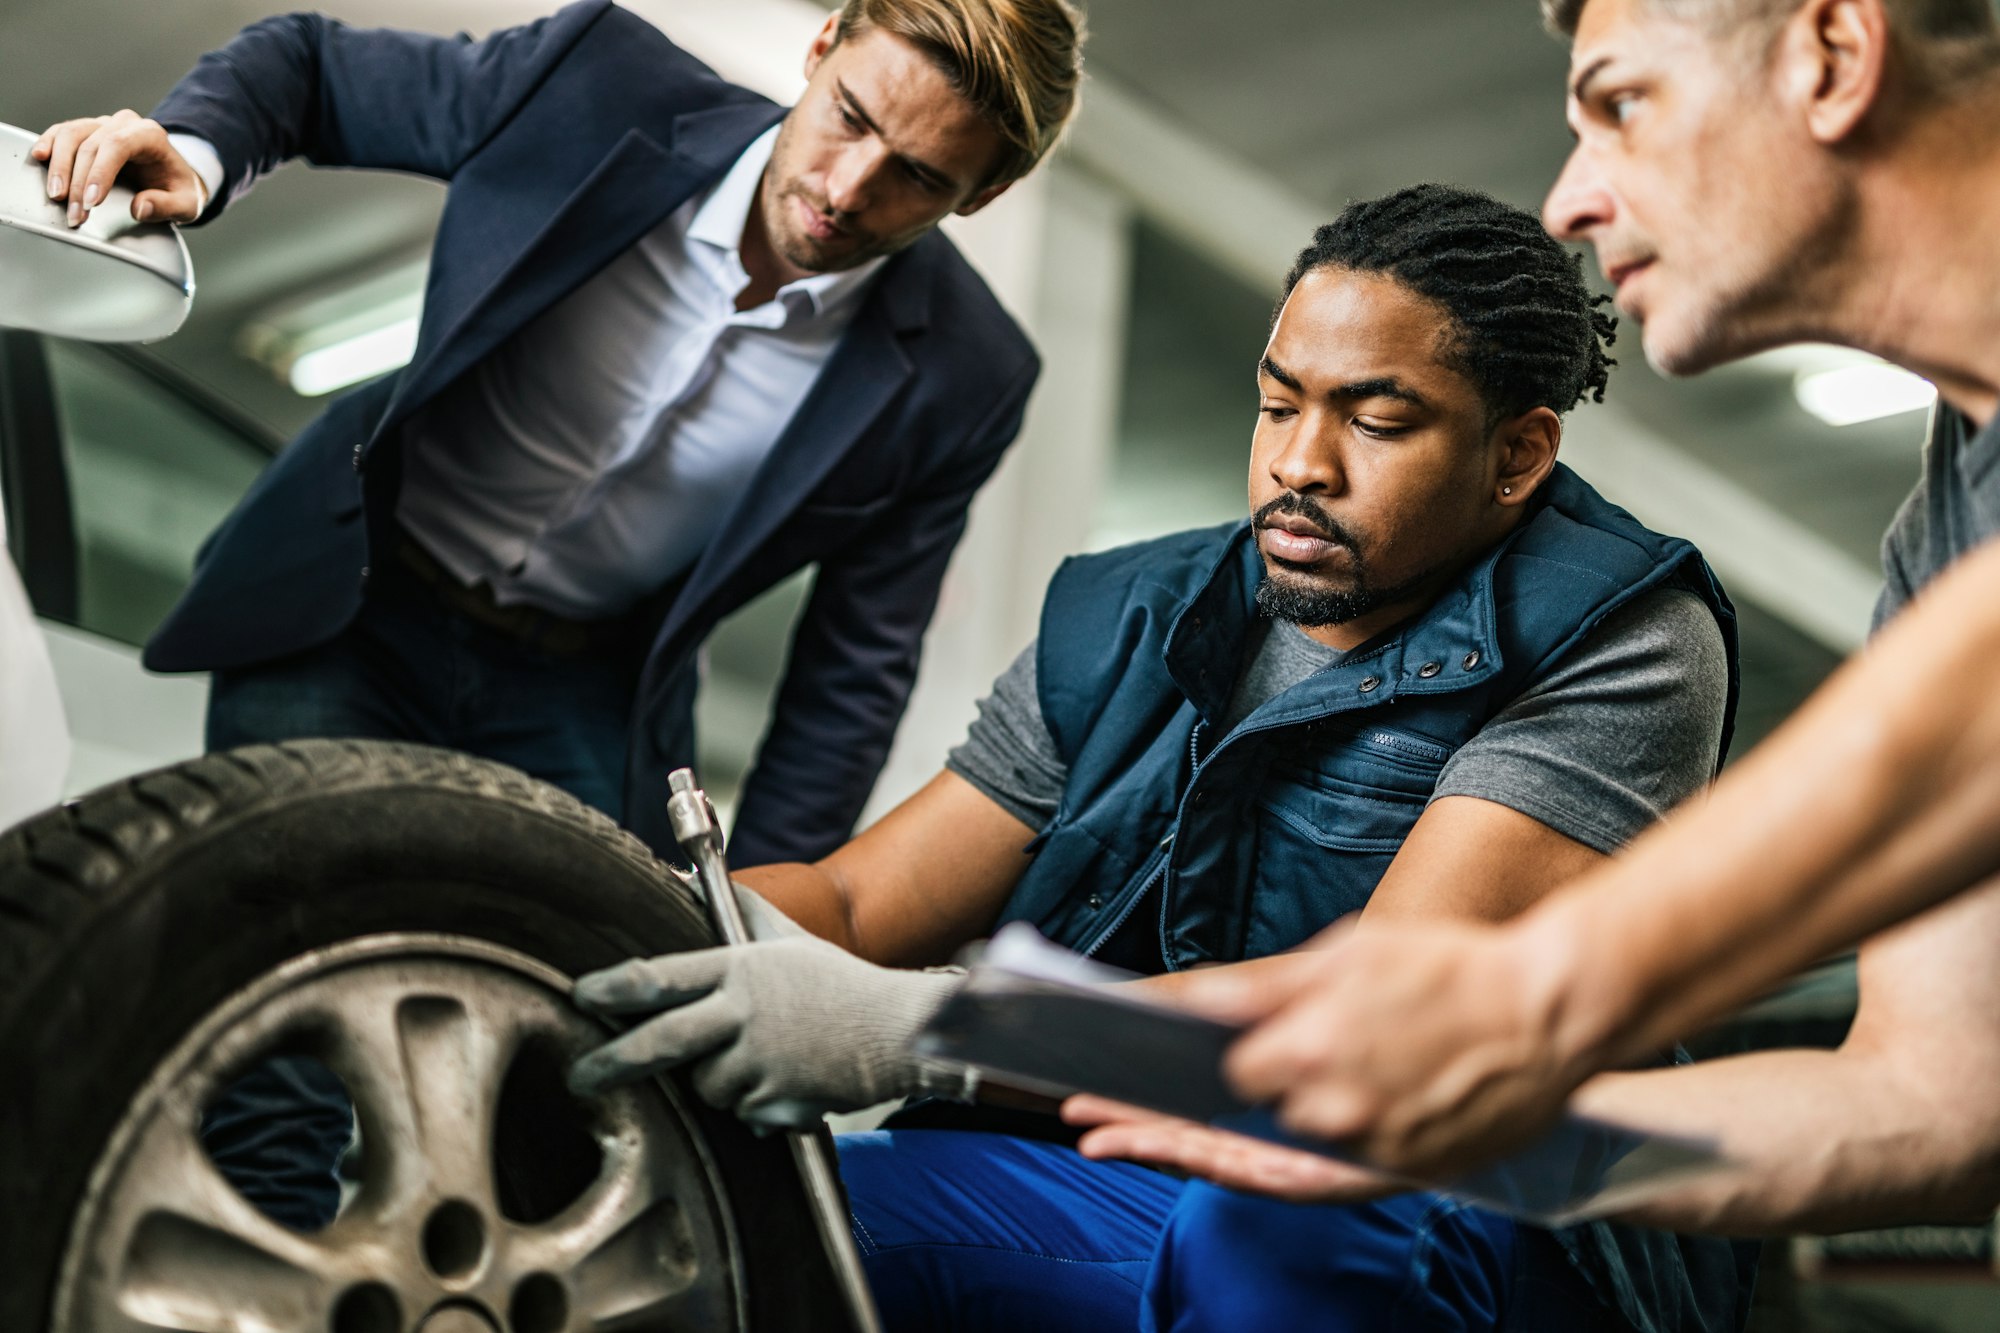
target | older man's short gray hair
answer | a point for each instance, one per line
(1946, 40)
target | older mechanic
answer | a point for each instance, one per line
(1434, 1046)
(1433, 676)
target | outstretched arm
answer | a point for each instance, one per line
(304, 85)
(796, 1024)
(931, 875)
(1901, 1124)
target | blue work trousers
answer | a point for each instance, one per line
(968, 1231)
(409, 668)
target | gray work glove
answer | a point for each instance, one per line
(780, 1031)
(764, 919)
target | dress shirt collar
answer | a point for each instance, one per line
(719, 218)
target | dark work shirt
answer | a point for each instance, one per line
(1954, 508)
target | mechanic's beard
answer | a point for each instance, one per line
(1310, 601)
(1296, 598)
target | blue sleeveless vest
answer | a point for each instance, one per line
(1245, 844)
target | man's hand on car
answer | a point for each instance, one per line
(86, 156)
(780, 1031)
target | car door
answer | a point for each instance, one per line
(113, 469)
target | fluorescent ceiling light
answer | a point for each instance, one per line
(1844, 387)
(1853, 394)
(1796, 359)
(360, 357)
(331, 339)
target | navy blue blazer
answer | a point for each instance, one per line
(563, 142)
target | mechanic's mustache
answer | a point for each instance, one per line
(1303, 506)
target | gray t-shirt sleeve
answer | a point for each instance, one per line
(1008, 753)
(1626, 727)
(1911, 553)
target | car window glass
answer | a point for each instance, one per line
(151, 475)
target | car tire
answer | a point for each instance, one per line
(129, 919)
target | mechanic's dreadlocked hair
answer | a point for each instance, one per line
(1529, 332)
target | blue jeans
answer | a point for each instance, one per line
(408, 668)
(971, 1231)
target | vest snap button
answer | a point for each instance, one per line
(1472, 659)
(1369, 683)
(1429, 669)
(1096, 901)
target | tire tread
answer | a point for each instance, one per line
(90, 847)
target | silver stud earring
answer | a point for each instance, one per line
(1506, 490)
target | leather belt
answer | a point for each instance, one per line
(546, 631)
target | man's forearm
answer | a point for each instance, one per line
(912, 888)
(808, 895)
(1901, 1124)
(1818, 1141)
(1166, 985)
(1873, 803)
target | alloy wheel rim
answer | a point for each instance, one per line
(423, 1030)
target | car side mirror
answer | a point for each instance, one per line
(109, 280)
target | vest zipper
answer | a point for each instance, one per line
(1157, 870)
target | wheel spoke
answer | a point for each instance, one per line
(197, 1256)
(424, 1070)
(697, 1305)
(651, 1264)
(641, 1241)
(185, 1275)
(623, 1192)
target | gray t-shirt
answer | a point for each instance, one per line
(1624, 728)
(1954, 508)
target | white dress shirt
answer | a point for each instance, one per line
(591, 456)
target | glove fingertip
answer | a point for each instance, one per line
(590, 1076)
(783, 1114)
(605, 989)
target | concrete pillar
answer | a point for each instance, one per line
(1057, 250)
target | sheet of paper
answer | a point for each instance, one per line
(1053, 1022)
